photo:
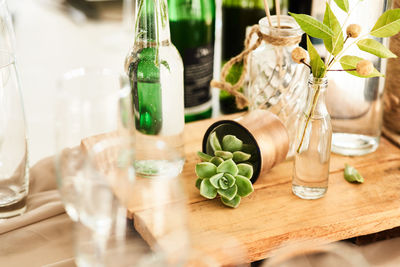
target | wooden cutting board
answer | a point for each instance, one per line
(273, 217)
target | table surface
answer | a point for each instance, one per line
(49, 43)
(273, 217)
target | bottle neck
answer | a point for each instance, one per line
(316, 95)
(151, 23)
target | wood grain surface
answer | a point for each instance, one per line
(272, 217)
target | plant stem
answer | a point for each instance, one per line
(341, 30)
(311, 113)
(344, 50)
(305, 63)
(344, 70)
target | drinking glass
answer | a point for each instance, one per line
(356, 105)
(91, 104)
(7, 34)
(14, 175)
(156, 203)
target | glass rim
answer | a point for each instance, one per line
(291, 28)
(317, 81)
(82, 72)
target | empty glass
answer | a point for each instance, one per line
(88, 104)
(91, 105)
(14, 175)
(356, 105)
(156, 203)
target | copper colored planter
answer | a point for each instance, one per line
(259, 128)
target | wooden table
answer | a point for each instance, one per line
(273, 217)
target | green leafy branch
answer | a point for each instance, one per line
(331, 32)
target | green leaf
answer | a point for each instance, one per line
(229, 193)
(165, 64)
(388, 24)
(312, 26)
(216, 161)
(376, 48)
(223, 183)
(239, 156)
(205, 169)
(230, 178)
(350, 62)
(231, 143)
(198, 182)
(228, 166)
(352, 175)
(343, 4)
(214, 180)
(317, 65)
(223, 154)
(207, 190)
(234, 203)
(245, 187)
(204, 156)
(214, 142)
(245, 170)
(337, 40)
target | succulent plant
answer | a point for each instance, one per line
(225, 173)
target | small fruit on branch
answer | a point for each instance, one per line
(365, 67)
(353, 30)
(299, 55)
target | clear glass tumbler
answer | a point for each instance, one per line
(14, 175)
(355, 104)
(91, 105)
(313, 144)
(157, 203)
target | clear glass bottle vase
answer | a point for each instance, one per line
(277, 83)
(313, 144)
(155, 70)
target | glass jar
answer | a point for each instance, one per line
(313, 144)
(277, 83)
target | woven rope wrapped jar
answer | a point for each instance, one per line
(277, 83)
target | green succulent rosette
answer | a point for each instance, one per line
(226, 173)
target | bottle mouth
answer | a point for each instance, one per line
(288, 26)
(317, 81)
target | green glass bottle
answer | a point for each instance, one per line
(155, 72)
(192, 25)
(236, 17)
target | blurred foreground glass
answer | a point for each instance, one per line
(156, 203)
(307, 253)
(355, 104)
(14, 175)
(7, 34)
(90, 103)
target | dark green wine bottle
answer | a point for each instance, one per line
(236, 17)
(192, 24)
